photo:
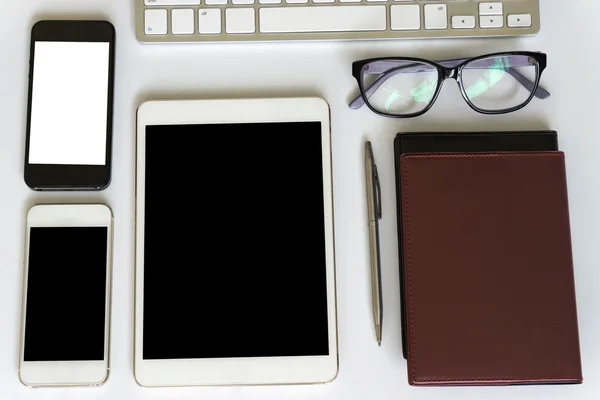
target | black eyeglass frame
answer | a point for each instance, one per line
(455, 73)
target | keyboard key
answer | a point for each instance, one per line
(239, 20)
(405, 17)
(172, 2)
(463, 22)
(323, 19)
(492, 21)
(436, 16)
(182, 21)
(490, 8)
(156, 22)
(244, 2)
(519, 21)
(209, 21)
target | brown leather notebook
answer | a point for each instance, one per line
(488, 270)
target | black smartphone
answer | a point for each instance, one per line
(70, 105)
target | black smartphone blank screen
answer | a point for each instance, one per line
(234, 252)
(70, 105)
(66, 294)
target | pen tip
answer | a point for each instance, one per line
(379, 343)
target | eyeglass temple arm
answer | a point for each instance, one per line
(358, 101)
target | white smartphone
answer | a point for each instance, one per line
(66, 295)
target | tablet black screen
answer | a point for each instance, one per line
(234, 241)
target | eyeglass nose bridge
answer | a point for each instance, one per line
(450, 73)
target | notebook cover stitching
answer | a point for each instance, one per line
(409, 265)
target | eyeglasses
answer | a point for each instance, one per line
(404, 87)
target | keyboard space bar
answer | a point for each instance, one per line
(322, 19)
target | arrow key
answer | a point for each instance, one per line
(492, 21)
(463, 22)
(490, 9)
(519, 21)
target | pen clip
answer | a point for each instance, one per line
(378, 194)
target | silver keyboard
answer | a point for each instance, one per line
(189, 21)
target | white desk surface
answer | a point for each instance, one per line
(570, 35)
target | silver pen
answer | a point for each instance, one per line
(374, 214)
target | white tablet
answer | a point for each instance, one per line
(235, 266)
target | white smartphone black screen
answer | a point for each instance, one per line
(234, 242)
(66, 294)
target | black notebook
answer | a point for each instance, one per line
(459, 142)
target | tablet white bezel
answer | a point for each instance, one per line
(234, 371)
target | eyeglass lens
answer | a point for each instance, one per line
(492, 84)
(399, 87)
